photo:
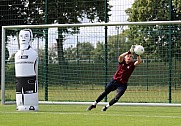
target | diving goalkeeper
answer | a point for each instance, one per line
(120, 79)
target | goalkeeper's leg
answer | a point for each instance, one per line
(120, 91)
(110, 87)
(98, 100)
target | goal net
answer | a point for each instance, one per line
(76, 61)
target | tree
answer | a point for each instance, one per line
(85, 51)
(52, 55)
(70, 12)
(33, 10)
(82, 51)
(71, 53)
(9, 15)
(117, 44)
(99, 52)
(21, 12)
(155, 38)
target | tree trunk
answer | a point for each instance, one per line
(61, 59)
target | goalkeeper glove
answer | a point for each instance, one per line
(132, 49)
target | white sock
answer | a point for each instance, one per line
(107, 105)
(95, 103)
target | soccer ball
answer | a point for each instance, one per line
(139, 50)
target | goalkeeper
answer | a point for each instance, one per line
(119, 81)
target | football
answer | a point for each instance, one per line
(139, 50)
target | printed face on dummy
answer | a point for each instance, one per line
(129, 58)
(25, 38)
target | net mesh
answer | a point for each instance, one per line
(78, 69)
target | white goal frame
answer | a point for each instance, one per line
(4, 28)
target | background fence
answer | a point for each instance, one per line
(76, 63)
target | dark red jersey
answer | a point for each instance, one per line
(124, 71)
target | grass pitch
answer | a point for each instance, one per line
(76, 115)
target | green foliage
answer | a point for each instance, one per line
(82, 51)
(56, 11)
(156, 38)
(117, 44)
(99, 52)
(86, 50)
(68, 12)
(11, 10)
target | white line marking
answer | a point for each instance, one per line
(90, 114)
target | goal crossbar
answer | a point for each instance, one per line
(92, 24)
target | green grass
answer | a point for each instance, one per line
(76, 115)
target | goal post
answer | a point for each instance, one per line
(76, 68)
(3, 67)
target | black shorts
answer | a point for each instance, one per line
(27, 84)
(114, 85)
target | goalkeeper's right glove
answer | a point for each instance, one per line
(132, 49)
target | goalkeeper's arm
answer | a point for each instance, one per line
(139, 60)
(121, 57)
